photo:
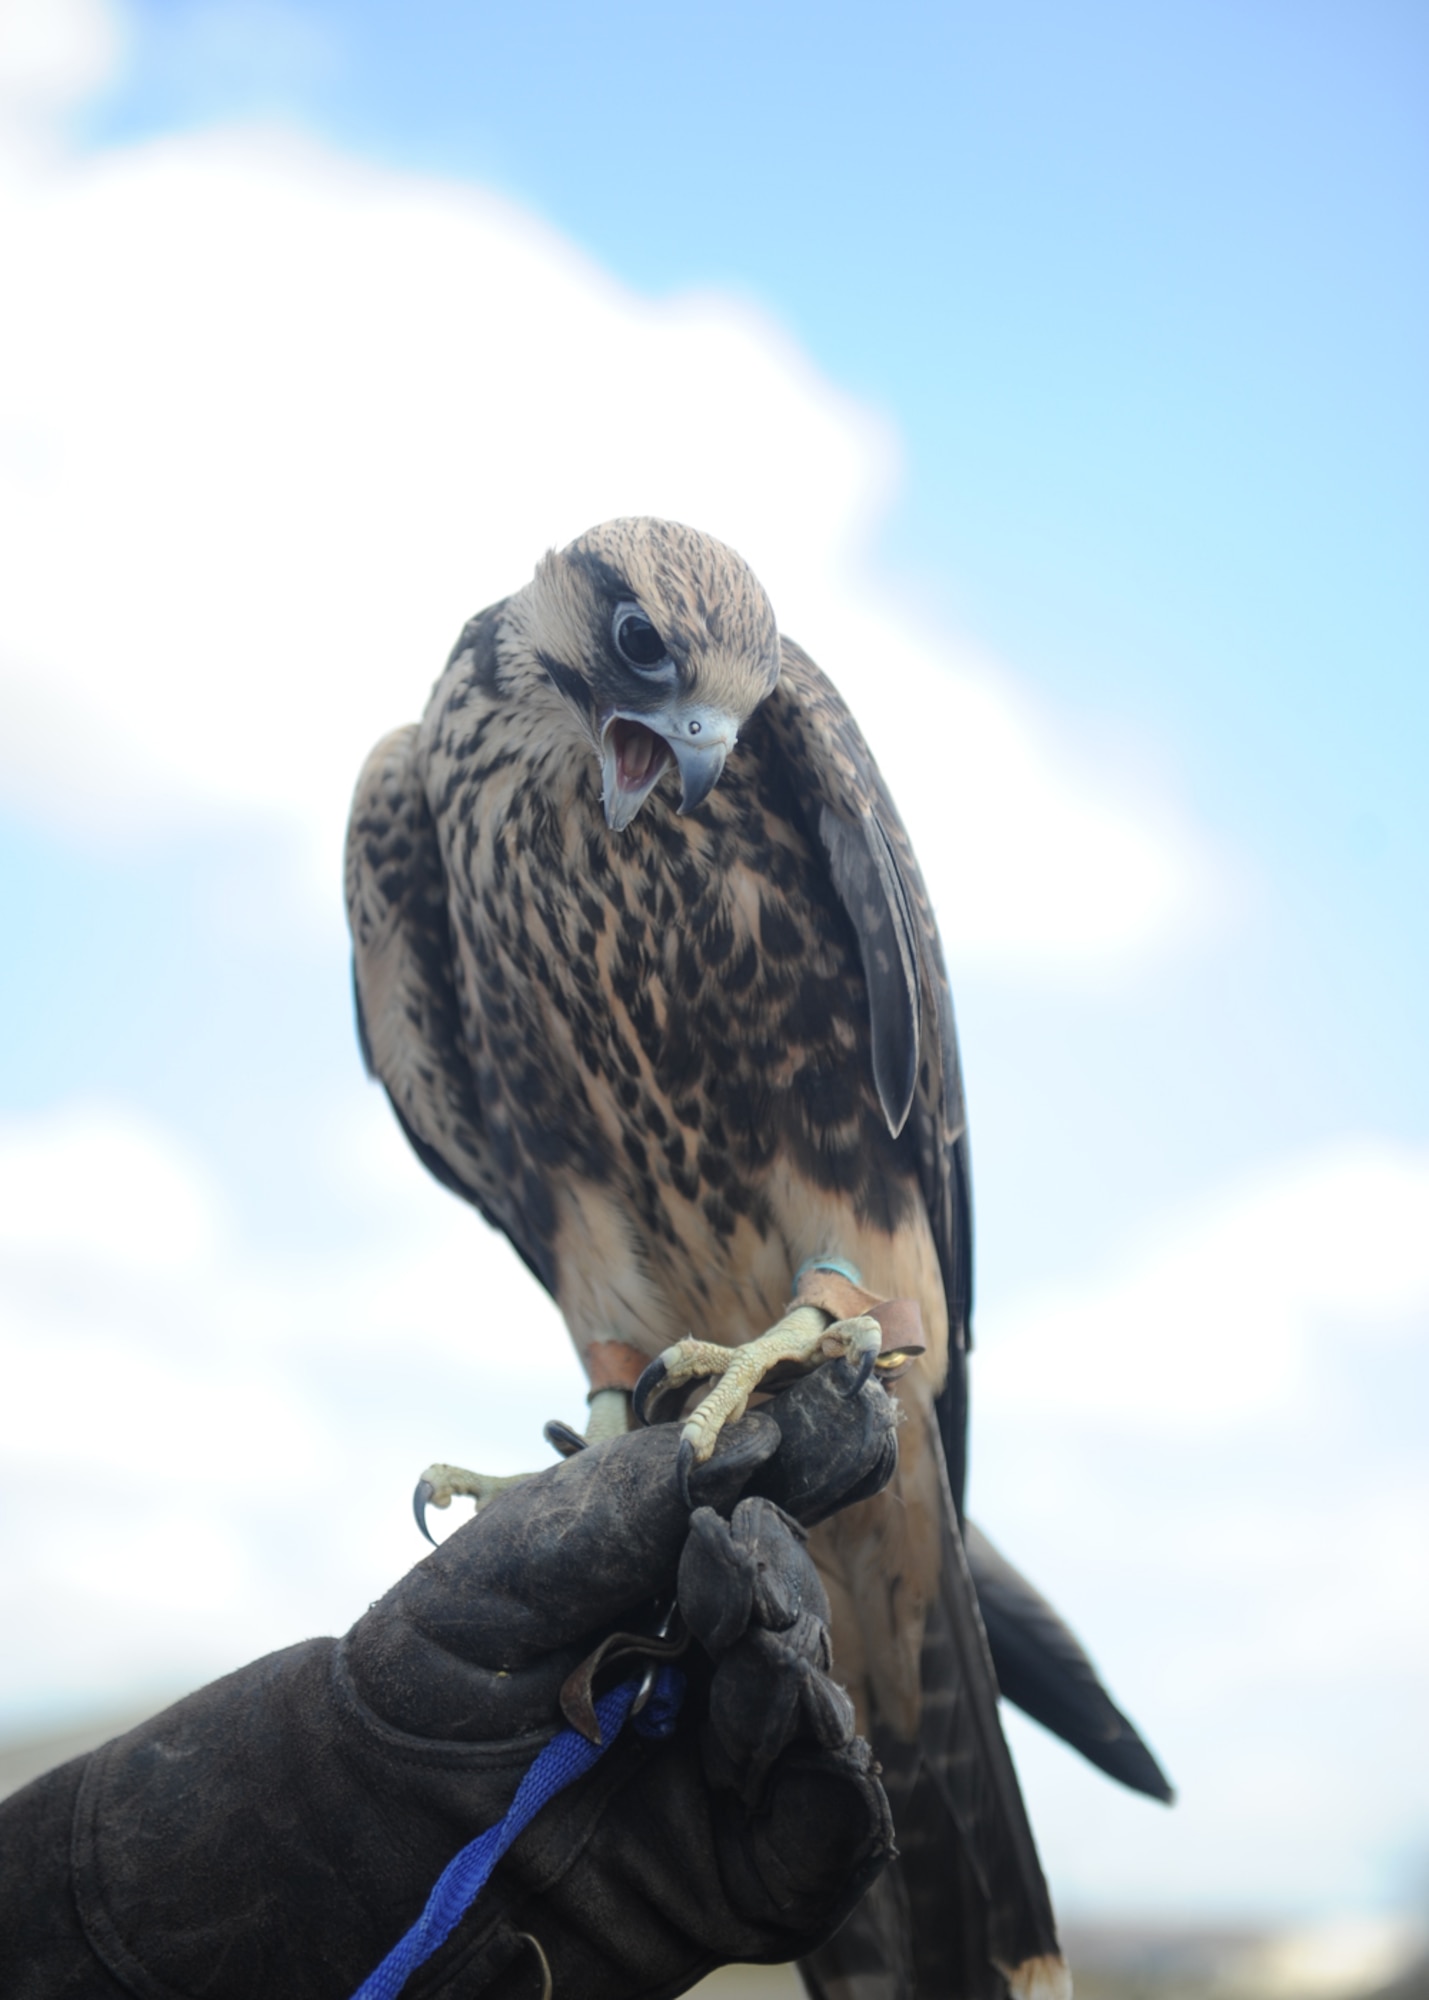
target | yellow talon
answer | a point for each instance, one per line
(440, 1484)
(804, 1336)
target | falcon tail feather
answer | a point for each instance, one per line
(963, 1912)
(1042, 1668)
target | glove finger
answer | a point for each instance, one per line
(834, 1448)
(752, 1568)
(807, 1857)
(771, 1690)
(786, 1584)
(716, 1583)
(753, 1598)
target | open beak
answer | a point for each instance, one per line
(635, 755)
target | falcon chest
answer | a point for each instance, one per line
(671, 1022)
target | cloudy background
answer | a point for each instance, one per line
(1060, 372)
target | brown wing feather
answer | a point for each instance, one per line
(408, 1012)
(853, 816)
(963, 1829)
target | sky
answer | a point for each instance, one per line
(1060, 373)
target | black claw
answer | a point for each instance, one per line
(560, 1437)
(684, 1466)
(649, 1385)
(421, 1500)
(861, 1373)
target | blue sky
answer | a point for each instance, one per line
(1145, 294)
(1061, 370)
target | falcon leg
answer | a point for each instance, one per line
(609, 1415)
(440, 1484)
(804, 1337)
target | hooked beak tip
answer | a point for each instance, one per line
(700, 768)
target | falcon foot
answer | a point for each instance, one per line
(804, 1338)
(440, 1484)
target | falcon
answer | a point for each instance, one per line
(644, 960)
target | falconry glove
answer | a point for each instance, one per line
(278, 1831)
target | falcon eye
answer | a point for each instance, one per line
(636, 640)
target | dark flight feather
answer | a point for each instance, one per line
(944, 1916)
(843, 789)
(866, 878)
(1042, 1668)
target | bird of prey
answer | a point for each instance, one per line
(646, 965)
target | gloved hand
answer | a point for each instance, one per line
(279, 1831)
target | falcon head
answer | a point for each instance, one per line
(663, 643)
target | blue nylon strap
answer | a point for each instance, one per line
(565, 1758)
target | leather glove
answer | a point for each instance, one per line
(279, 1831)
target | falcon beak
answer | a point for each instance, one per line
(700, 766)
(636, 750)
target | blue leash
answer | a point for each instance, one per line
(565, 1758)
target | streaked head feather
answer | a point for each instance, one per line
(704, 600)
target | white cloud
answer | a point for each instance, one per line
(92, 1182)
(206, 1452)
(53, 55)
(272, 424)
(1220, 1321)
(1212, 1459)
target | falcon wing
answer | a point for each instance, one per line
(958, 1808)
(962, 1771)
(409, 1017)
(915, 1044)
